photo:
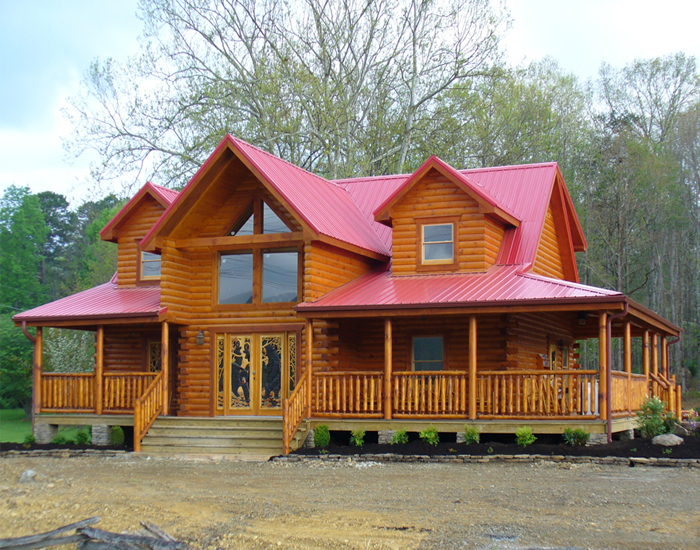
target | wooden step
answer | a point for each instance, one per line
(221, 441)
(234, 431)
(262, 452)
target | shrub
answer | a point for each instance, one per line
(652, 419)
(83, 437)
(577, 437)
(29, 439)
(357, 438)
(59, 439)
(429, 436)
(400, 437)
(523, 436)
(116, 436)
(322, 436)
(471, 435)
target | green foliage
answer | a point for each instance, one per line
(652, 419)
(471, 435)
(357, 438)
(322, 436)
(524, 436)
(29, 439)
(429, 435)
(400, 437)
(577, 437)
(59, 439)
(83, 437)
(667, 451)
(116, 436)
(68, 350)
(14, 426)
(490, 450)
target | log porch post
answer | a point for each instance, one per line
(664, 356)
(388, 358)
(309, 360)
(38, 365)
(602, 367)
(472, 367)
(654, 354)
(628, 361)
(645, 353)
(99, 368)
(165, 365)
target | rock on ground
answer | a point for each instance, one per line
(667, 440)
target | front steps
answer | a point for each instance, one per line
(244, 436)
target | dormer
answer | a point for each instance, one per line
(127, 229)
(442, 222)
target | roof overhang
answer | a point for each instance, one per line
(109, 231)
(487, 203)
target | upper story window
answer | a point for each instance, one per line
(150, 266)
(428, 353)
(258, 219)
(437, 241)
(259, 276)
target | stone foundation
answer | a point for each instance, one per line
(100, 434)
(44, 433)
(597, 439)
(309, 441)
(385, 436)
(460, 437)
(627, 435)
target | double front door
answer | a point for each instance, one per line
(254, 372)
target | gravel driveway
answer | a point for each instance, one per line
(252, 505)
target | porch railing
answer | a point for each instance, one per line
(67, 392)
(439, 394)
(358, 394)
(121, 389)
(294, 410)
(527, 394)
(628, 391)
(147, 407)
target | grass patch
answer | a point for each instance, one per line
(13, 427)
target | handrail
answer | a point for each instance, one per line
(122, 388)
(147, 408)
(67, 392)
(294, 408)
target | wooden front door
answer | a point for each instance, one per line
(254, 372)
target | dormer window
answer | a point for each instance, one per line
(259, 219)
(438, 243)
(150, 266)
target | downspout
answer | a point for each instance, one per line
(608, 370)
(32, 339)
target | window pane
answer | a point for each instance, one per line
(421, 365)
(437, 233)
(437, 251)
(245, 225)
(236, 279)
(271, 221)
(280, 271)
(150, 264)
(427, 348)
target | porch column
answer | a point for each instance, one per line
(645, 353)
(388, 358)
(664, 356)
(654, 354)
(309, 359)
(38, 365)
(99, 367)
(165, 365)
(603, 364)
(627, 350)
(472, 367)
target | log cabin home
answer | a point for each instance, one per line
(262, 300)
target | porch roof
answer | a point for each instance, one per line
(500, 285)
(106, 301)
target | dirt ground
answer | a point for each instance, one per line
(218, 505)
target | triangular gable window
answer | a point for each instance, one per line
(259, 218)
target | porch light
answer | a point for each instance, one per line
(200, 338)
(582, 316)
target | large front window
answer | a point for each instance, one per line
(236, 279)
(428, 353)
(259, 275)
(279, 276)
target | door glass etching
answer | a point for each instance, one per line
(154, 356)
(292, 360)
(271, 358)
(239, 397)
(220, 384)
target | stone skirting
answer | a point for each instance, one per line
(62, 453)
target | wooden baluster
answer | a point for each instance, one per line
(371, 394)
(489, 410)
(358, 394)
(336, 385)
(443, 389)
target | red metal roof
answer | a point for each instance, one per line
(500, 285)
(100, 302)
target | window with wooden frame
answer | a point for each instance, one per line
(437, 243)
(148, 271)
(259, 218)
(428, 353)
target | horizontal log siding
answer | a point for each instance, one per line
(124, 348)
(131, 231)
(548, 259)
(435, 195)
(529, 335)
(176, 282)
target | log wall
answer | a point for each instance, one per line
(479, 237)
(131, 230)
(125, 348)
(548, 260)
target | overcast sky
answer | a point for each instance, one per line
(47, 45)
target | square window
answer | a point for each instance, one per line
(236, 278)
(150, 265)
(428, 353)
(279, 276)
(438, 243)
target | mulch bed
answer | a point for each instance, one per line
(642, 448)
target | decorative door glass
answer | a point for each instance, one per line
(271, 361)
(292, 360)
(154, 356)
(220, 376)
(239, 397)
